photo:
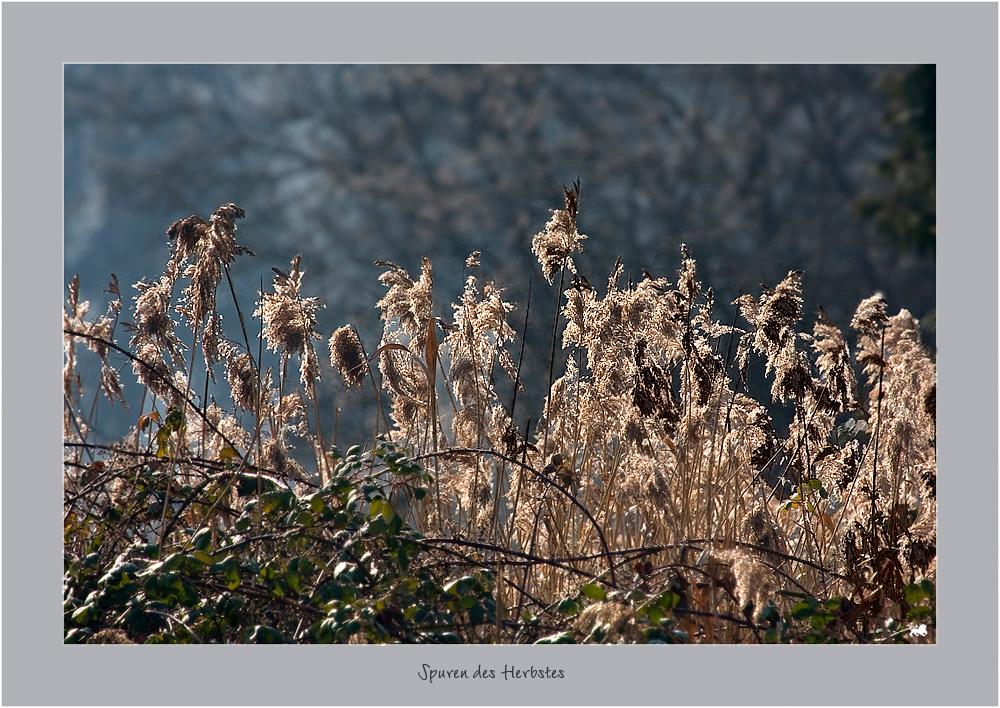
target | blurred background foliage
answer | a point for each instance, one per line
(905, 209)
(759, 169)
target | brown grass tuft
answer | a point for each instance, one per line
(651, 454)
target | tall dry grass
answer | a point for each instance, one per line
(651, 467)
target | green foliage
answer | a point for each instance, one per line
(831, 621)
(335, 565)
(905, 211)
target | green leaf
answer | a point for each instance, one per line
(377, 527)
(119, 576)
(448, 638)
(594, 592)
(561, 638)
(227, 455)
(202, 540)
(228, 606)
(278, 499)
(664, 635)
(928, 587)
(324, 632)
(668, 600)
(278, 587)
(820, 620)
(913, 594)
(77, 636)
(174, 419)
(82, 614)
(468, 584)
(568, 606)
(301, 564)
(231, 572)
(203, 557)
(476, 614)
(770, 613)
(803, 610)
(264, 635)
(247, 485)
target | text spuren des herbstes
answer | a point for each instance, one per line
(426, 673)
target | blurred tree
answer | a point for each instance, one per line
(755, 167)
(905, 210)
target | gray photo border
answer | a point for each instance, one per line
(961, 38)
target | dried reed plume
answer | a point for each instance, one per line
(560, 238)
(290, 321)
(652, 451)
(348, 357)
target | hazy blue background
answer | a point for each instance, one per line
(759, 169)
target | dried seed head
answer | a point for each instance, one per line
(212, 247)
(188, 234)
(347, 357)
(779, 310)
(409, 302)
(243, 381)
(151, 371)
(834, 364)
(290, 319)
(870, 316)
(151, 321)
(686, 283)
(553, 246)
(792, 379)
(652, 394)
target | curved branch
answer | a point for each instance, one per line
(572, 498)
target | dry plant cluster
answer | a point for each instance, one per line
(652, 470)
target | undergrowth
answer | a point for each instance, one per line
(653, 501)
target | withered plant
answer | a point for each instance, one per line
(655, 499)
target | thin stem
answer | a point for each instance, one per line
(878, 428)
(552, 357)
